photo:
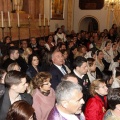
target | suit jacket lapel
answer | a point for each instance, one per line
(58, 70)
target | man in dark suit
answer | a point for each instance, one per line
(16, 85)
(15, 57)
(57, 69)
(80, 71)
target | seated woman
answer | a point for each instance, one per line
(26, 53)
(66, 60)
(33, 68)
(21, 110)
(116, 83)
(114, 103)
(108, 78)
(96, 106)
(13, 66)
(43, 95)
(107, 54)
(99, 60)
(49, 43)
(93, 72)
(46, 61)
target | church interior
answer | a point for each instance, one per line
(36, 17)
(59, 59)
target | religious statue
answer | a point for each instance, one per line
(17, 5)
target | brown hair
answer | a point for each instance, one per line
(90, 61)
(14, 78)
(95, 85)
(20, 110)
(40, 78)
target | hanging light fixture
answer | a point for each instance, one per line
(111, 4)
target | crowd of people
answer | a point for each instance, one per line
(62, 77)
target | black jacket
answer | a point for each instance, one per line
(5, 101)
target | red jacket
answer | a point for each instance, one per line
(95, 108)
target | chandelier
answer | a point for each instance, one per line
(112, 4)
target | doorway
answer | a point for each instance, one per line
(89, 24)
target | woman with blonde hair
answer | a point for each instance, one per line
(96, 105)
(14, 66)
(27, 52)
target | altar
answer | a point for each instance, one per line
(25, 22)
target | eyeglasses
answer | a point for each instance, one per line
(47, 83)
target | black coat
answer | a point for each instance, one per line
(31, 72)
(85, 83)
(56, 76)
(5, 101)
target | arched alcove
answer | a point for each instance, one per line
(89, 23)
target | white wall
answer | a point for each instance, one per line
(100, 15)
(55, 23)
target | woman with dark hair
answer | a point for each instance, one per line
(7, 40)
(33, 65)
(43, 95)
(108, 78)
(49, 43)
(96, 106)
(99, 60)
(46, 61)
(6, 46)
(107, 54)
(114, 103)
(93, 72)
(66, 59)
(21, 110)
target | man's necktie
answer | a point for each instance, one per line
(63, 71)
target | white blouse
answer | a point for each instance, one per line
(100, 65)
(116, 83)
(107, 56)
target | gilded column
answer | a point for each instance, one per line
(70, 15)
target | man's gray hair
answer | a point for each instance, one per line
(65, 90)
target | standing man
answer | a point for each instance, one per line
(57, 69)
(80, 71)
(69, 102)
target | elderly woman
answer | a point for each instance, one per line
(114, 103)
(97, 104)
(43, 95)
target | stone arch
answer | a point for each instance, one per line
(89, 23)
